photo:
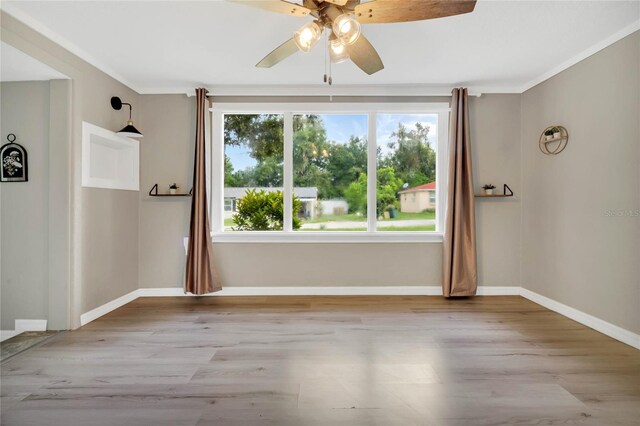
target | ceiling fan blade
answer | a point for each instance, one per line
(338, 2)
(385, 11)
(364, 55)
(280, 53)
(279, 6)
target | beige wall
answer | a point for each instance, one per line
(167, 156)
(574, 251)
(101, 225)
(24, 215)
(495, 130)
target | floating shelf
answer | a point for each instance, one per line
(552, 140)
(547, 147)
(504, 194)
(154, 193)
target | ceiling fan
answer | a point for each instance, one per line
(342, 19)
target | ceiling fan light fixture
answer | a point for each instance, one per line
(307, 36)
(346, 28)
(338, 51)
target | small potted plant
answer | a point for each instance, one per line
(488, 189)
(548, 134)
(173, 188)
(556, 132)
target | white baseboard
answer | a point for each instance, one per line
(31, 325)
(8, 334)
(22, 325)
(604, 327)
(162, 292)
(484, 290)
(303, 291)
(329, 291)
(96, 313)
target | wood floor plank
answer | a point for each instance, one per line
(325, 360)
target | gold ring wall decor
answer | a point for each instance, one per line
(553, 140)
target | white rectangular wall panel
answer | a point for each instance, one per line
(109, 160)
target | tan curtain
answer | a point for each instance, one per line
(460, 274)
(201, 274)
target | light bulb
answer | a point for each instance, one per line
(337, 48)
(338, 51)
(346, 28)
(307, 36)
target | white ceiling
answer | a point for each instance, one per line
(160, 47)
(16, 65)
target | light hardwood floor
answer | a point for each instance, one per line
(325, 361)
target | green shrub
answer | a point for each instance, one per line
(356, 195)
(263, 211)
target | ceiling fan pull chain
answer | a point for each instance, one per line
(326, 52)
(330, 63)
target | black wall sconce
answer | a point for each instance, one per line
(129, 130)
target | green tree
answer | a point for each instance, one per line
(311, 154)
(356, 195)
(263, 211)
(232, 178)
(411, 156)
(261, 133)
(267, 172)
(347, 162)
(387, 189)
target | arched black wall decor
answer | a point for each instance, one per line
(15, 167)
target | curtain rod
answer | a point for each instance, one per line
(401, 90)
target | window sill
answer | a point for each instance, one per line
(301, 237)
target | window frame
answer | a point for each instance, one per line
(288, 110)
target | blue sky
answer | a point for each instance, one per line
(341, 127)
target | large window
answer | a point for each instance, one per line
(330, 170)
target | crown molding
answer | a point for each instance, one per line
(408, 90)
(46, 32)
(630, 29)
(414, 90)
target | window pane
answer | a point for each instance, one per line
(330, 172)
(406, 164)
(253, 172)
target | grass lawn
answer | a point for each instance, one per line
(351, 217)
(428, 215)
(359, 218)
(382, 228)
(414, 216)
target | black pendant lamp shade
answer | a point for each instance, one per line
(129, 130)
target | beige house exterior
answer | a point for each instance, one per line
(418, 199)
